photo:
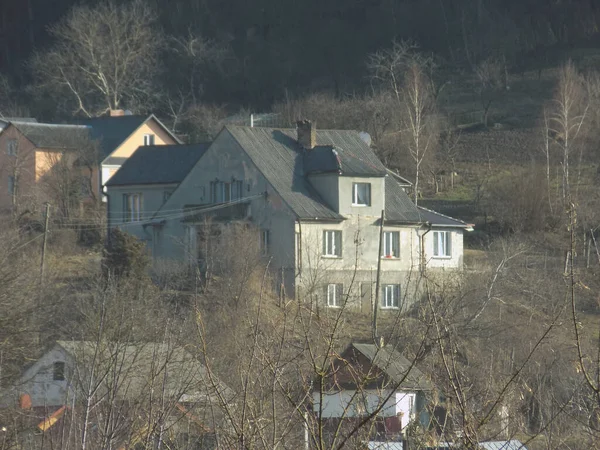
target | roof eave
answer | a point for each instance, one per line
(159, 183)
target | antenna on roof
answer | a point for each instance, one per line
(128, 112)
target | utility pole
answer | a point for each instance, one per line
(376, 304)
(44, 242)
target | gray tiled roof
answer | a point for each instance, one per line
(395, 366)
(46, 135)
(398, 207)
(110, 132)
(438, 219)
(158, 164)
(142, 363)
(342, 152)
(277, 155)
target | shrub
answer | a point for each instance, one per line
(125, 256)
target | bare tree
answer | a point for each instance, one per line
(104, 58)
(569, 114)
(491, 74)
(408, 75)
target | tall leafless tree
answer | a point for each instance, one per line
(104, 57)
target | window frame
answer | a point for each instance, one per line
(11, 147)
(335, 238)
(384, 248)
(444, 242)
(133, 207)
(12, 183)
(264, 241)
(355, 196)
(58, 371)
(334, 294)
(218, 190)
(394, 301)
(149, 139)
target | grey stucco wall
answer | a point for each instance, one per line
(327, 185)
(225, 160)
(377, 196)
(152, 200)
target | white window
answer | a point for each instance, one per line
(391, 244)
(442, 246)
(11, 147)
(361, 194)
(332, 243)
(225, 192)
(148, 139)
(391, 296)
(334, 295)
(11, 185)
(264, 242)
(132, 207)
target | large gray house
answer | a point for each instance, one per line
(314, 200)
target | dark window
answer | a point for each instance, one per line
(148, 139)
(59, 371)
(264, 242)
(225, 192)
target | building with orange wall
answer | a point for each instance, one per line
(28, 152)
(97, 148)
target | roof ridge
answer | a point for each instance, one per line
(289, 128)
(42, 124)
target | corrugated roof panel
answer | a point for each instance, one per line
(398, 206)
(277, 155)
(47, 135)
(158, 164)
(395, 365)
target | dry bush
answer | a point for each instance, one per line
(519, 201)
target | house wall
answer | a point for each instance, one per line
(130, 145)
(39, 384)
(358, 264)
(377, 196)
(152, 200)
(45, 160)
(23, 164)
(456, 247)
(224, 160)
(349, 403)
(328, 187)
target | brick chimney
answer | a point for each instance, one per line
(307, 134)
(117, 112)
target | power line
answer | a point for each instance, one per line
(181, 214)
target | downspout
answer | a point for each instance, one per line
(299, 262)
(108, 221)
(422, 245)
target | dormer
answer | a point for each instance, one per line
(343, 169)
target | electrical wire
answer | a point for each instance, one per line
(159, 218)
